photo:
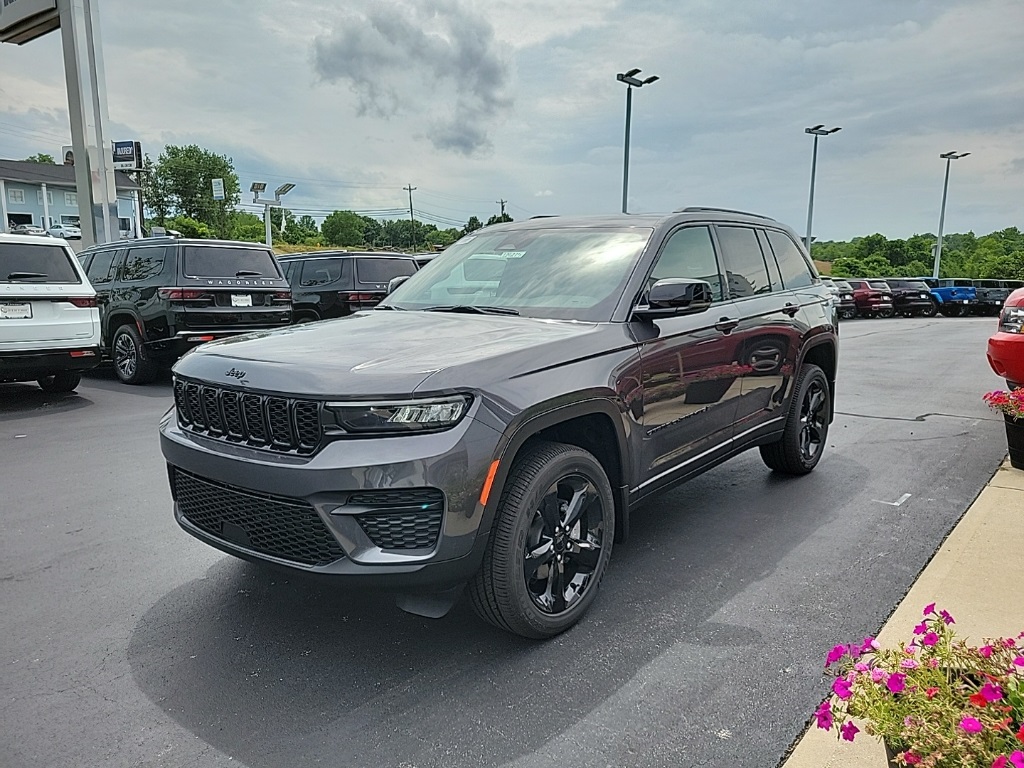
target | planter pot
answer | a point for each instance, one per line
(1015, 441)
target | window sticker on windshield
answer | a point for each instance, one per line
(513, 254)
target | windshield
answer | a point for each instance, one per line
(878, 285)
(21, 262)
(225, 261)
(567, 274)
(842, 285)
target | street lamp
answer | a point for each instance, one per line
(631, 81)
(816, 131)
(268, 203)
(947, 156)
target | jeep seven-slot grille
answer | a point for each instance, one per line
(401, 518)
(288, 529)
(281, 424)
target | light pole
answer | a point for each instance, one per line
(631, 81)
(816, 131)
(947, 156)
(268, 203)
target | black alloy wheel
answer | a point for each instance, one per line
(887, 312)
(563, 545)
(952, 310)
(805, 434)
(549, 544)
(131, 363)
(930, 310)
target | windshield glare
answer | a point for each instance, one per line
(567, 274)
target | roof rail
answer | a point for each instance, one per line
(544, 216)
(702, 209)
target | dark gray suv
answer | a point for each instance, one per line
(494, 421)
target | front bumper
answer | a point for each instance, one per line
(28, 366)
(1006, 355)
(327, 488)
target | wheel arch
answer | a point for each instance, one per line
(119, 318)
(823, 354)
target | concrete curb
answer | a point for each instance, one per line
(967, 577)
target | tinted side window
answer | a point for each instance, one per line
(143, 263)
(320, 272)
(773, 265)
(795, 272)
(99, 268)
(689, 253)
(379, 271)
(744, 263)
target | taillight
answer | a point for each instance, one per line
(355, 298)
(182, 294)
(282, 296)
(83, 301)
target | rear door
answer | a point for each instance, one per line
(45, 302)
(322, 285)
(228, 288)
(138, 286)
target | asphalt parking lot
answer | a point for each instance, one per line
(128, 643)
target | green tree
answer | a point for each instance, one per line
(472, 225)
(343, 228)
(246, 226)
(179, 184)
(188, 226)
(499, 219)
(41, 157)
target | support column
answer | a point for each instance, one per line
(87, 107)
(3, 207)
(46, 209)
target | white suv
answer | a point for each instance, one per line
(49, 321)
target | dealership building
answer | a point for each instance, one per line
(44, 194)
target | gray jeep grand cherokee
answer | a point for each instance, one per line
(494, 421)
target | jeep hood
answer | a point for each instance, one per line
(386, 353)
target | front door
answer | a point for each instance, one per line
(690, 378)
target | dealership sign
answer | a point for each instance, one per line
(127, 155)
(25, 20)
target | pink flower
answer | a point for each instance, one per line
(930, 639)
(971, 725)
(1019, 661)
(921, 628)
(928, 609)
(896, 682)
(841, 688)
(946, 617)
(1000, 762)
(985, 651)
(930, 692)
(1017, 758)
(877, 675)
(868, 645)
(909, 664)
(849, 730)
(1009, 642)
(991, 692)
(910, 758)
(860, 666)
(933, 663)
(823, 714)
(834, 655)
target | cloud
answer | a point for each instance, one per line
(436, 58)
(543, 193)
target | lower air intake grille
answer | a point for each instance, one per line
(401, 518)
(284, 528)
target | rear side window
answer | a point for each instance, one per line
(143, 263)
(879, 285)
(321, 272)
(857, 284)
(381, 271)
(795, 272)
(25, 263)
(99, 268)
(225, 261)
(745, 268)
(986, 283)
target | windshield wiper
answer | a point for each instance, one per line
(472, 309)
(25, 275)
(247, 273)
(388, 306)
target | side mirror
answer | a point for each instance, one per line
(394, 282)
(675, 296)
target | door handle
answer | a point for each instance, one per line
(791, 309)
(727, 324)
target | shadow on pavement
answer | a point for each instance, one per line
(273, 669)
(104, 378)
(24, 400)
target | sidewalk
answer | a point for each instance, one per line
(968, 578)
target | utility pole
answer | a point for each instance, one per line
(410, 189)
(502, 204)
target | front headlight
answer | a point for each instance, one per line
(396, 417)
(1011, 320)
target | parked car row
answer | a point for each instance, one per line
(65, 231)
(920, 296)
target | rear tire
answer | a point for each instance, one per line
(803, 440)
(549, 544)
(63, 381)
(952, 310)
(131, 361)
(847, 314)
(930, 310)
(887, 313)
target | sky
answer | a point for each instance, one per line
(474, 102)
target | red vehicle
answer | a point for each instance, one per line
(1006, 345)
(873, 298)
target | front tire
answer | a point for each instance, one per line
(799, 449)
(953, 310)
(550, 542)
(930, 310)
(63, 381)
(131, 361)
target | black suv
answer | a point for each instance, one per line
(328, 284)
(911, 297)
(160, 297)
(497, 418)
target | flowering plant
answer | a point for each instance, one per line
(1009, 403)
(935, 701)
